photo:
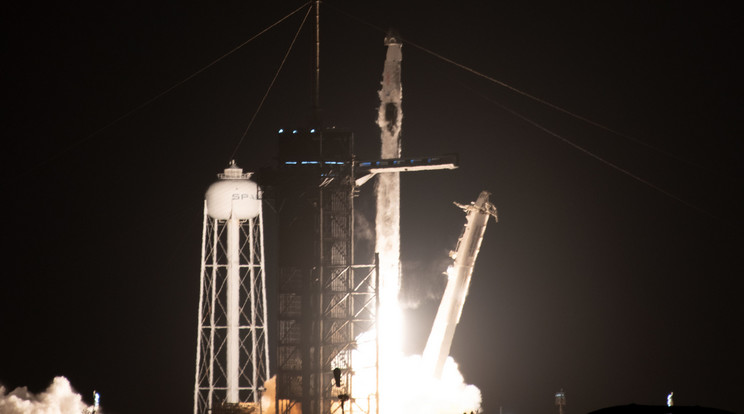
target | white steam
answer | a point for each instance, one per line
(58, 398)
(423, 281)
(422, 393)
(410, 388)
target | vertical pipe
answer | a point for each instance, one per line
(252, 292)
(351, 282)
(377, 333)
(316, 91)
(233, 309)
(319, 395)
(201, 310)
(265, 317)
(319, 355)
(212, 327)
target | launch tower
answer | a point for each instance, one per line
(325, 300)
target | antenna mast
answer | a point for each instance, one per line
(560, 401)
(316, 86)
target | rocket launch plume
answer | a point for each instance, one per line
(58, 398)
(423, 280)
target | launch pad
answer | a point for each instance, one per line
(332, 356)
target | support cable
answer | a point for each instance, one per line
(166, 91)
(525, 94)
(553, 106)
(560, 109)
(593, 155)
(273, 80)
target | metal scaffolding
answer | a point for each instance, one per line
(232, 355)
(326, 300)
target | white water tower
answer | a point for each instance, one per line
(232, 352)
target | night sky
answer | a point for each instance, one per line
(615, 276)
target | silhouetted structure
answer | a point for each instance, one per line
(659, 409)
(326, 300)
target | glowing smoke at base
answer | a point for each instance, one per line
(410, 388)
(418, 392)
(58, 398)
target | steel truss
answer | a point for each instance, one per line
(326, 301)
(211, 380)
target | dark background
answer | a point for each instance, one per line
(592, 281)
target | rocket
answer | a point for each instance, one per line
(459, 275)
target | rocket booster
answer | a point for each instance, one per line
(459, 275)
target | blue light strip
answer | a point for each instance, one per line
(315, 162)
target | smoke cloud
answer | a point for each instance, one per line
(364, 231)
(58, 398)
(422, 393)
(423, 281)
(410, 388)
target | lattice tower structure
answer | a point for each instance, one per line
(325, 299)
